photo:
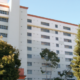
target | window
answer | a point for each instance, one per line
(58, 66)
(67, 46)
(3, 34)
(45, 30)
(68, 53)
(66, 28)
(57, 45)
(29, 27)
(29, 48)
(68, 66)
(67, 40)
(46, 65)
(4, 12)
(44, 23)
(29, 20)
(3, 27)
(57, 51)
(45, 37)
(29, 55)
(45, 43)
(29, 63)
(56, 26)
(66, 34)
(59, 72)
(29, 78)
(57, 38)
(42, 49)
(29, 34)
(59, 58)
(3, 19)
(47, 72)
(29, 41)
(68, 59)
(56, 32)
(29, 71)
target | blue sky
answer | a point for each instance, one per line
(63, 10)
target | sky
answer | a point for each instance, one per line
(63, 10)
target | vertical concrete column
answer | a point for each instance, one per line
(23, 39)
(13, 24)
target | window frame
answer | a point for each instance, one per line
(3, 19)
(66, 28)
(29, 48)
(29, 34)
(3, 27)
(68, 46)
(58, 66)
(67, 40)
(29, 63)
(57, 38)
(56, 26)
(45, 37)
(66, 34)
(29, 55)
(56, 32)
(28, 72)
(45, 43)
(68, 53)
(29, 78)
(45, 23)
(4, 12)
(57, 51)
(29, 27)
(45, 30)
(57, 45)
(4, 34)
(29, 20)
(29, 41)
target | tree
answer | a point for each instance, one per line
(5, 60)
(9, 62)
(76, 59)
(57, 78)
(50, 57)
(61, 74)
(67, 74)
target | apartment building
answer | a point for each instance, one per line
(31, 34)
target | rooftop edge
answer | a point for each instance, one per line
(52, 19)
(23, 7)
(40, 16)
(8, 6)
(4, 5)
